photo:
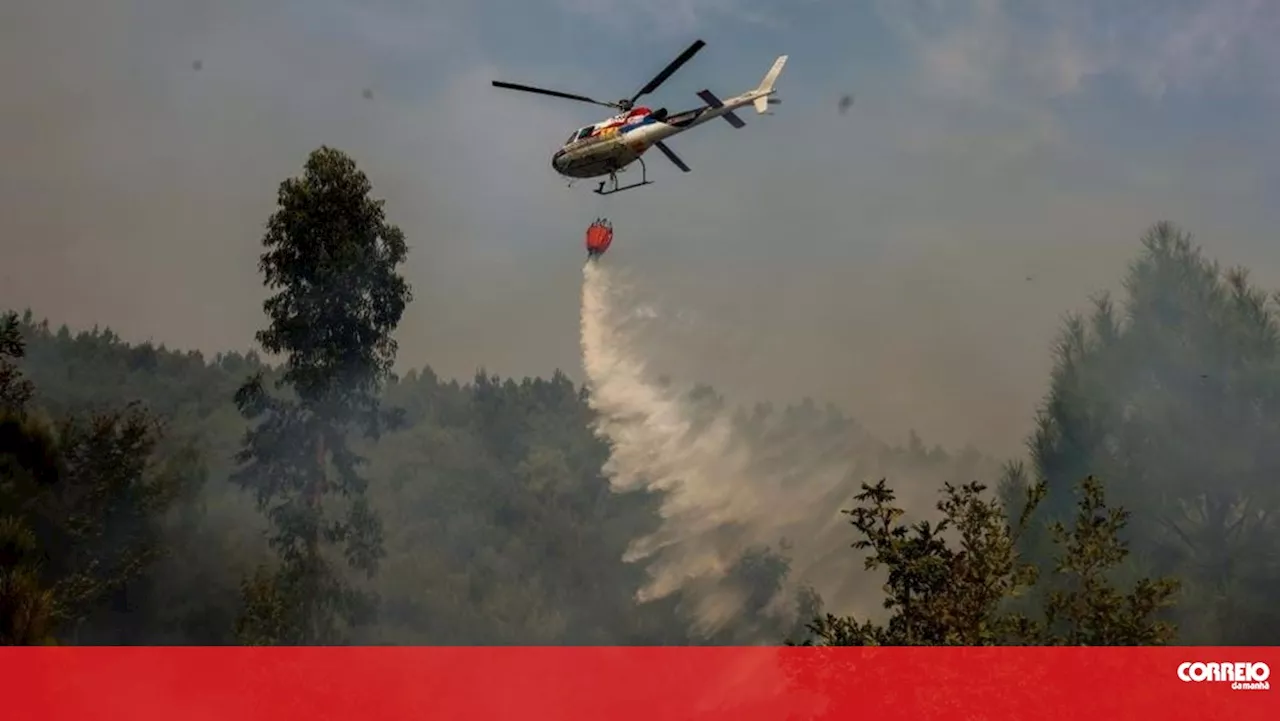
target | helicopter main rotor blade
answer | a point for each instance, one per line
(661, 77)
(552, 93)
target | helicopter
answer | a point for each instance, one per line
(609, 146)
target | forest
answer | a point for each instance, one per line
(151, 495)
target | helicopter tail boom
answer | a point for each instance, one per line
(712, 101)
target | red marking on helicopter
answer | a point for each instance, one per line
(599, 236)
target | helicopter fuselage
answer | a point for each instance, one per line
(608, 146)
(611, 145)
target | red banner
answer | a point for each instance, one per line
(622, 684)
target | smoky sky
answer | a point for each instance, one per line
(909, 260)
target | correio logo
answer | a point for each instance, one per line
(1241, 676)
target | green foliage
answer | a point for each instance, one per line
(1089, 611)
(81, 501)
(15, 391)
(941, 592)
(29, 464)
(499, 528)
(464, 514)
(26, 602)
(1175, 396)
(101, 513)
(211, 535)
(331, 261)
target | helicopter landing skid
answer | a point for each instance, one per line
(644, 180)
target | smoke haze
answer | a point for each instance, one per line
(909, 261)
(733, 482)
(921, 248)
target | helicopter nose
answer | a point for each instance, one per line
(557, 161)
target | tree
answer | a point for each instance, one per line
(82, 501)
(967, 592)
(26, 603)
(1175, 394)
(1087, 610)
(15, 391)
(331, 259)
(28, 462)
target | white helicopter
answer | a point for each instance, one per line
(609, 146)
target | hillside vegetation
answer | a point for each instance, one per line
(156, 496)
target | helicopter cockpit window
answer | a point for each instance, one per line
(585, 132)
